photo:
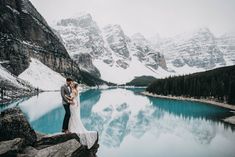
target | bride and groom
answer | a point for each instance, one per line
(72, 121)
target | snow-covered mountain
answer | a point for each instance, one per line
(82, 38)
(110, 54)
(226, 44)
(196, 49)
(117, 57)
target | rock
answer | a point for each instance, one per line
(11, 147)
(40, 135)
(28, 151)
(61, 149)
(84, 60)
(53, 140)
(48, 141)
(19, 139)
(13, 124)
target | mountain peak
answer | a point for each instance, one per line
(138, 36)
(113, 27)
(82, 15)
(81, 20)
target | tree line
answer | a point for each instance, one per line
(217, 84)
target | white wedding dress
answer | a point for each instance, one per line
(87, 138)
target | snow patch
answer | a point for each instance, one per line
(41, 76)
(5, 75)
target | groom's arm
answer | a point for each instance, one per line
(63, 95)
(69, 97)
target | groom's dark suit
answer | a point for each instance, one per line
(65, 90)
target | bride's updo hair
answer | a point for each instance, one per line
(75, 85)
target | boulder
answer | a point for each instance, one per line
(11, 147)
(13, 124)
(65, 149)
(17, 138)
(55, 139)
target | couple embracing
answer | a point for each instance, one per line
(72, 121)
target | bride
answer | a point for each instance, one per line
(87, 138)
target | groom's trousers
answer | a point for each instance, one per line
(66, 117)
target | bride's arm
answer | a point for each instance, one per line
(69, 97)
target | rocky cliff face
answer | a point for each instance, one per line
(146, 53)
(24, 33)
(117, 43)
(84, 60)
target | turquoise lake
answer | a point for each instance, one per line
(133, 125)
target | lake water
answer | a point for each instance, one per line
(132, 125)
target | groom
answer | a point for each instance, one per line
(66, 91)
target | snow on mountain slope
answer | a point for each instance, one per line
(7, 77)
(41, 76)
(120, 76)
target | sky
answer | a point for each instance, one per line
(149, 17)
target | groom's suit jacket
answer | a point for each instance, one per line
(65, 90)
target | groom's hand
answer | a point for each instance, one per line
(71, 102)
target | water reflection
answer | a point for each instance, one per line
(134, 125)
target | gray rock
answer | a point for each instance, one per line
(66, 149)
(11, 147)
(40, 135)
(53, 140)
(62, 149)
(13, 124)
(84, 60)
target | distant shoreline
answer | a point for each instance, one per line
(230, 120)
(223, 105)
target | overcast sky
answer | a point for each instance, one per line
(166, 17)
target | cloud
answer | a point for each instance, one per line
(166, 17)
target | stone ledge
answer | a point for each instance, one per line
(17, 138)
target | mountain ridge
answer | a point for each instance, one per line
(159, 57)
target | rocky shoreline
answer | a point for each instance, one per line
(15, 95)
(230, 120)
(18, 139)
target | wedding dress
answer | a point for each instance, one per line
(87, 138)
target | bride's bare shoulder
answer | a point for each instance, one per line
(76, 91)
